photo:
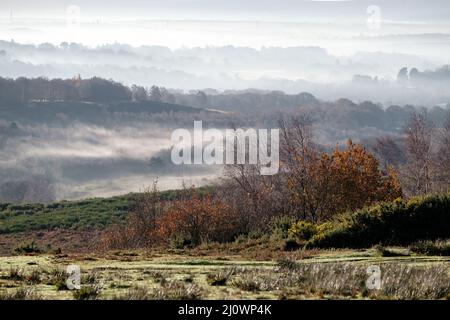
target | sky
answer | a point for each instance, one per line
(339, 26)
(263, 10)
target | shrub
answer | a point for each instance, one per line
(158, 277)
(89, 292)
(175, 290)
(385, 252)
(398, 222)
(58, 279)
(20, 294)
(199, 218)
(219, 279)
(430, 248)
(302, 230)
(247, 284)
(290, 245)
(179, 241)
(15, 274)
(137, 293)
(34, 277)
(287, 265)
(256, 279)
(280, 226)
(27, 248)
(398, 281)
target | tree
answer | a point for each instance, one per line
(389, 152)
(141, 227)
(197, 219)
(357, 179)
(138, 93)
(417, 173)
(402, 76)
(201, 99)
(297, 152)
(345, 180)
(414, 75)
(155, 94)
(443, 156)
(101, 90)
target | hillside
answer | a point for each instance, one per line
(85, 111)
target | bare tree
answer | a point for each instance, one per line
(418, 172)
(443, 156)
(141, 225)
(389, 152)
(298, 152)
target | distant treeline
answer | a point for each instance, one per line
(22, 90)
(336, 115)
(415, 76)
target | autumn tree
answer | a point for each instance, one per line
(346, 179)
(198, 218)
(357, 180)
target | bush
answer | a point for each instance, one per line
(137, 293)
(178, 241)
(385, 252)
(247, 284)
(58, 279)
(90, 292)
(199, 218)
(175, 290)
(20, 294)
(430, 248)
(27, 248)
(280, 226)
(219, 279)
(34, 277)
(391, 223)
(302, 230)
(15, 274)
(290, 245)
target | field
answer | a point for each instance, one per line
(38, 242)
(204, 274)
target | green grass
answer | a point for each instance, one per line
(86, 214)
(96, 213)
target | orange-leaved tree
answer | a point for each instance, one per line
(198, 218)
(358, 180)
(346, 179)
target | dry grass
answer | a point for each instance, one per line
(317, 274)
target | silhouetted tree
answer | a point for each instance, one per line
(155, 94)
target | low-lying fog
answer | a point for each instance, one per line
(46, 163)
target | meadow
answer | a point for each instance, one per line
(224, 273)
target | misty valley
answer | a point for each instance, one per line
(78, 138)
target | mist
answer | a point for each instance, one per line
(82, 161)
(360, 69)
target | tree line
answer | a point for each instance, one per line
(22, 90)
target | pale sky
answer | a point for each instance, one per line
(263, 10)
(342, 27)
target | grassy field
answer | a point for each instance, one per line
(38, 242)
(337, 274)
(88, 214)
